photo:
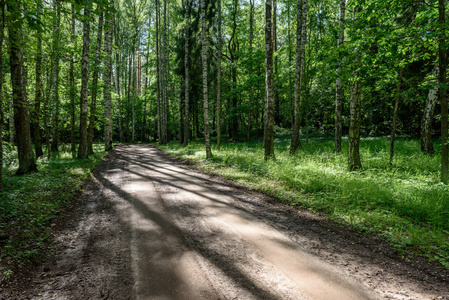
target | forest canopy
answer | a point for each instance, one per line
(78, 72)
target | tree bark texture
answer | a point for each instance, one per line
(38, 92)
(300, 46)
(354, 125)
(12, 130)
(204, 30)
(72, 83)
(165, 77)
(251, 96)
(158, 77)
(2, 114)
(82, 149)
(46, 112)
(107, 78)
(427, 118)
(187, 76)
(134, 86)
(218, 108)
(55, 76)
(118, 62)
(21, 118)
(128, 99)
(268, 140)
(443, 93)
(94, 87)
(339, 93)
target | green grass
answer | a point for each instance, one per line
(404, 202)
(30, 203)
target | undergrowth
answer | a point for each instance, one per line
(29, 203)
(404, 202)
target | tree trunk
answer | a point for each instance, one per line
(118, 64)
(11, 121)
(82, 149)
(339, 94)
(186, 79)
(233, 53)
(277, 116)
(107, 84)
(268, 140)
(55, 79)
(134, 85)
(94, 88)
(38, 94)
(443, 93)
(300, 45)
(427, 118)
(46, 112)
(181, 115)
(218, 108)
(354, 125)
(158, 78)
(165, 78)
(290, 84)
(2, 115)
(128, 98)
(21, 117)
(205, 92)
(395, 114)
(251, 66)
(72, 83)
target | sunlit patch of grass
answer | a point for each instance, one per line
(404, 201)
(29, 203)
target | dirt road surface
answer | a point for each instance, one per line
(151, 227)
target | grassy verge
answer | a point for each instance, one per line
(30, 203)
(404, 202)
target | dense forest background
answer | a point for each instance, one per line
(78, 72)
(329, 105)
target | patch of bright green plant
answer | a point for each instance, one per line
(404, 201)
(29, 203)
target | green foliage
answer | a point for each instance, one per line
(405, 201)
(29, 203)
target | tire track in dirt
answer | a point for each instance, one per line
(150, 227)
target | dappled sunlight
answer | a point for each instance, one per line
(408, 191)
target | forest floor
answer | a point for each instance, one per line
(148, 226)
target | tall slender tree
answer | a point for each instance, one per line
(133, 71)
(339, 93)
(55, 76)
(38, 92)
(268, 140)
(165, 77)
(300, 47)
(72, 81)
(2, 114)
(218, 105)
(118, 73)
(187, 75)
(442, 49)
(94, 87)
(427, 118)
(27, 162)
(82, 149)
(107, 77)
(251, 67)
(354, 162)
(204, 30)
